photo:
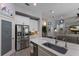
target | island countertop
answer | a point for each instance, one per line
(72, 49)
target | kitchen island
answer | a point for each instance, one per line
(72, 49)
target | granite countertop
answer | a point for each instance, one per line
(72, 49)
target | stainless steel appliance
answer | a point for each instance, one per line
(21, 37)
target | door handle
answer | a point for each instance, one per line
(13, 38)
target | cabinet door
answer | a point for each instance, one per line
(44, 52)
(6, 35)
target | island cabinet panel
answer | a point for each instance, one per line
(44, 52)
(34, 49)
(37, 50)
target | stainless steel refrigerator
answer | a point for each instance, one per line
(21, 37)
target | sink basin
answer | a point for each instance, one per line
(55, 47)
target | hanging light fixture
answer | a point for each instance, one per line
(44, 23)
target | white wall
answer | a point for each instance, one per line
(21, 20)
(33, 25)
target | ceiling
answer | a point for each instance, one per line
(44, 9)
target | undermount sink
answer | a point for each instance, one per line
(55, 47)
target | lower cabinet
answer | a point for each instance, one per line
(34, 49)
(44, 52)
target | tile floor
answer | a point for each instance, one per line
(24, 52)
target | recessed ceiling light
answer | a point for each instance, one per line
(35, 4)
(52, 11)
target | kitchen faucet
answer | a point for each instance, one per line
(64, 36)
